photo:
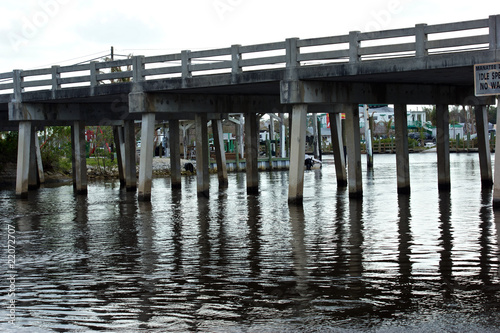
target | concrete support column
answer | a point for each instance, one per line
(252, 152)
(79, 158)
(130, 151)
(220, 154)
(119, 147)
(282, 136)
(202, 156)
(316, 136)
(146, 158)
(443, 147)
(23, 159)
(297, 153)
(338, 146)
(483, 140)
(39, 164)
(240, 136)
(402, 155)
(353, 151)
(33, 177)
(175, 153)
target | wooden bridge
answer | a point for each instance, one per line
(424, 64)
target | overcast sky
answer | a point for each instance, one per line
(40, 33)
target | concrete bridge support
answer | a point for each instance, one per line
(129, 154)
(402, 154)
(220, 154)
(443, 147)
(353, 151)
(33, 175)
(175, 153)
(146, 158)
(297, 153)
(483, 139)
(202, 156)
(79, 158)
(120, 156)
(252, 152)
(39, 163)
(338, 146)
(23, 158)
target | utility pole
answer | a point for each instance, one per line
(112, 53)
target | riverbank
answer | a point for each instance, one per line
(161, 167)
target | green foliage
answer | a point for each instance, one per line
(492, 114)
(8, 147)
(431, 115)
(100, 146)
(56, 149)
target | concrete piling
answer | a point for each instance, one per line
(355, 182)
(402, 154)
(202, 156)
(146, 158)
(297, 153)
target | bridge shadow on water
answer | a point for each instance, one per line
(428, 261)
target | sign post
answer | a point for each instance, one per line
(487, 83)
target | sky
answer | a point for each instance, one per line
(42, 33)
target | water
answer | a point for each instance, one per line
(241, 263)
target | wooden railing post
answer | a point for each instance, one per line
(494, 32)
(354, 47)
(235, 62)
(18, 84)
(138, 68)
(292, 62)
(420, 40)
(55, 80)
(93, 77)
(185, 63)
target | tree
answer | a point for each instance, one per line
(431, 114)
(492, 114)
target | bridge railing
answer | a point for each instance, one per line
(419, 41)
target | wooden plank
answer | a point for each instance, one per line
(456, 42)
(36, 72)
(386, 49)
(210, 66)
(458, 26)
(5, 86)
(75, 79)
(385, 34)
(210, 53)
(263, 61)
(114, 75)
(163, 70)
(323, 41)
(36, 83)
(74, 68)
(326, 55)
(116, 63)
(162, 58)
(263, 47)
(8, 75)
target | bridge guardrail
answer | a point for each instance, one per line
(421, 40)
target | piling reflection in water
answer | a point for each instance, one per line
(238, 262)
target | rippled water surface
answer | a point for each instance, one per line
(427, 262)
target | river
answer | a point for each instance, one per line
(427, 262)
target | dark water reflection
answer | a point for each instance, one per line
(244, 263)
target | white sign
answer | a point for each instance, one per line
(487, 79)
